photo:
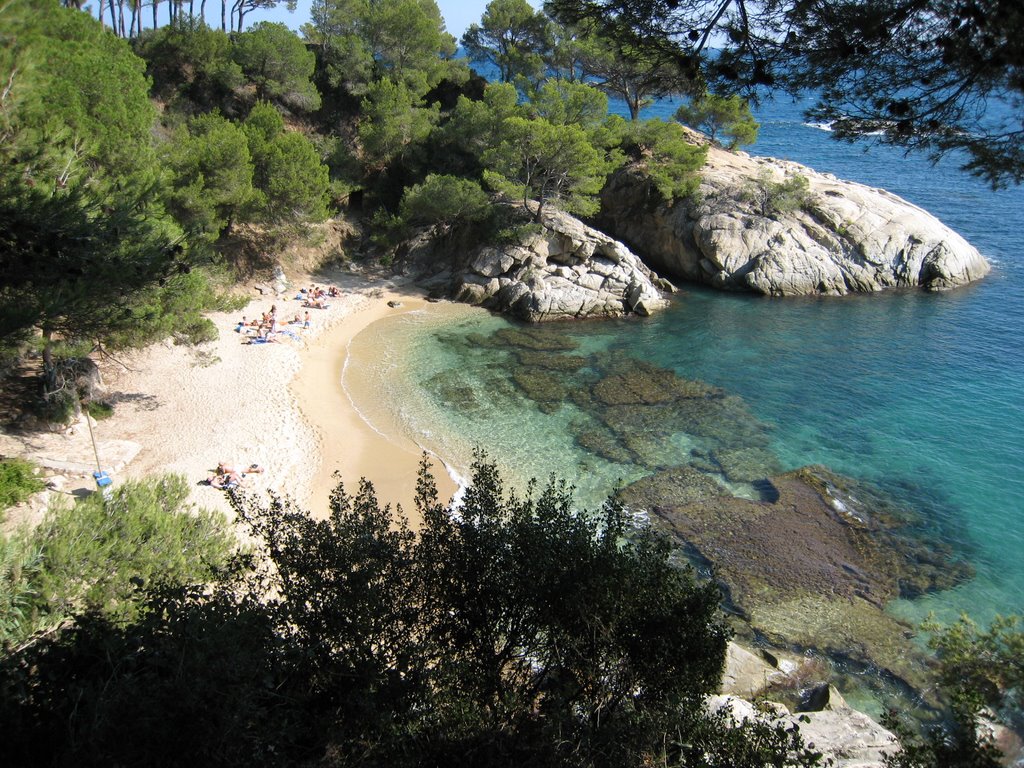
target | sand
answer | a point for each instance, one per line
(182, 409)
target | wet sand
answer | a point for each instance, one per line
(345, 442)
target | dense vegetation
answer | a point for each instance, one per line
(938, 76)
(140, 171)
(94, 556)
(144, 167)
(511, 631)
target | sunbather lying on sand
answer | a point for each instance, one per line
(228, 476)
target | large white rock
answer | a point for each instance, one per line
(846, 237)
(567, 270)
(849, 738)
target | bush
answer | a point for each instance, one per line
(99, 411)
(512, 631)
(726, 115)
(443, 201)
(18, 481)
(98, 553)
(20, 563)
(770, 197)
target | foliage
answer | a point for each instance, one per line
(473, 127)
(669, 159)
(547, 162)
(212, 172)
(981, 672)
(274, 59)
(87, 247)
(443, 200)
(564, 103)
(191, 65)
(292, 183)
(97, 553)
(771, 197)
(395, 120)
(937, 76)
(514, 631)
(627, 71)
(74, 92)
(402, 40)
(721, 115)
(20, 564)
(408, 42)
(513, 37)
(18, 481)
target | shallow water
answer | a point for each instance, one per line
(919, 393)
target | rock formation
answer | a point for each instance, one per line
(850, 739)
(840, 237)
(566, 271)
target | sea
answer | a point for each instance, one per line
(920, 394)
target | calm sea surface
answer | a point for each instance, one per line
(921, 394)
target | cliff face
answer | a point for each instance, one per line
(566, 271)
(845, 237)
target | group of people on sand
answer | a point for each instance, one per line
(269, 327)
(316, 297)
(227, 476)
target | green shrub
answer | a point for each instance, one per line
(199, 331)
(98, 552)
(99, 411)
(444, 200)
(770, 197)
(18, 481)
(20, 563)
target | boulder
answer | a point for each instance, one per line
(567, 270)
(850, 739)
(844, 238)
(746, 674)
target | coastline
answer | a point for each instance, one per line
(345, 442)
(182, 410)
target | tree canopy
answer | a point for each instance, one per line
(512, 631)
(511, 36)
(932, 75)
(84, 238)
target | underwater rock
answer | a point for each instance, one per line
(551, 361)
(602, 442)
(646, 384)
(816, 567)
(546, 388)
(671, 487)
(746, 464)
(536, 339)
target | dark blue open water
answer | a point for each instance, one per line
(920, 393)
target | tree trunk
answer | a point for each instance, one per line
(156, 5)
(223, 15)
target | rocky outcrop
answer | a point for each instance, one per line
(844, 237)
(850, 739)
(567, 270)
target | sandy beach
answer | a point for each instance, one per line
(183, 409)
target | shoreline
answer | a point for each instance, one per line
(182, 410)
(346, 443)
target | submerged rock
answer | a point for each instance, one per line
(682, 485)
(844, 237)
(814, 568)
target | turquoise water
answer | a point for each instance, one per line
(922, 394)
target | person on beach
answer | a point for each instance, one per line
(227, 476)
(305, 323)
